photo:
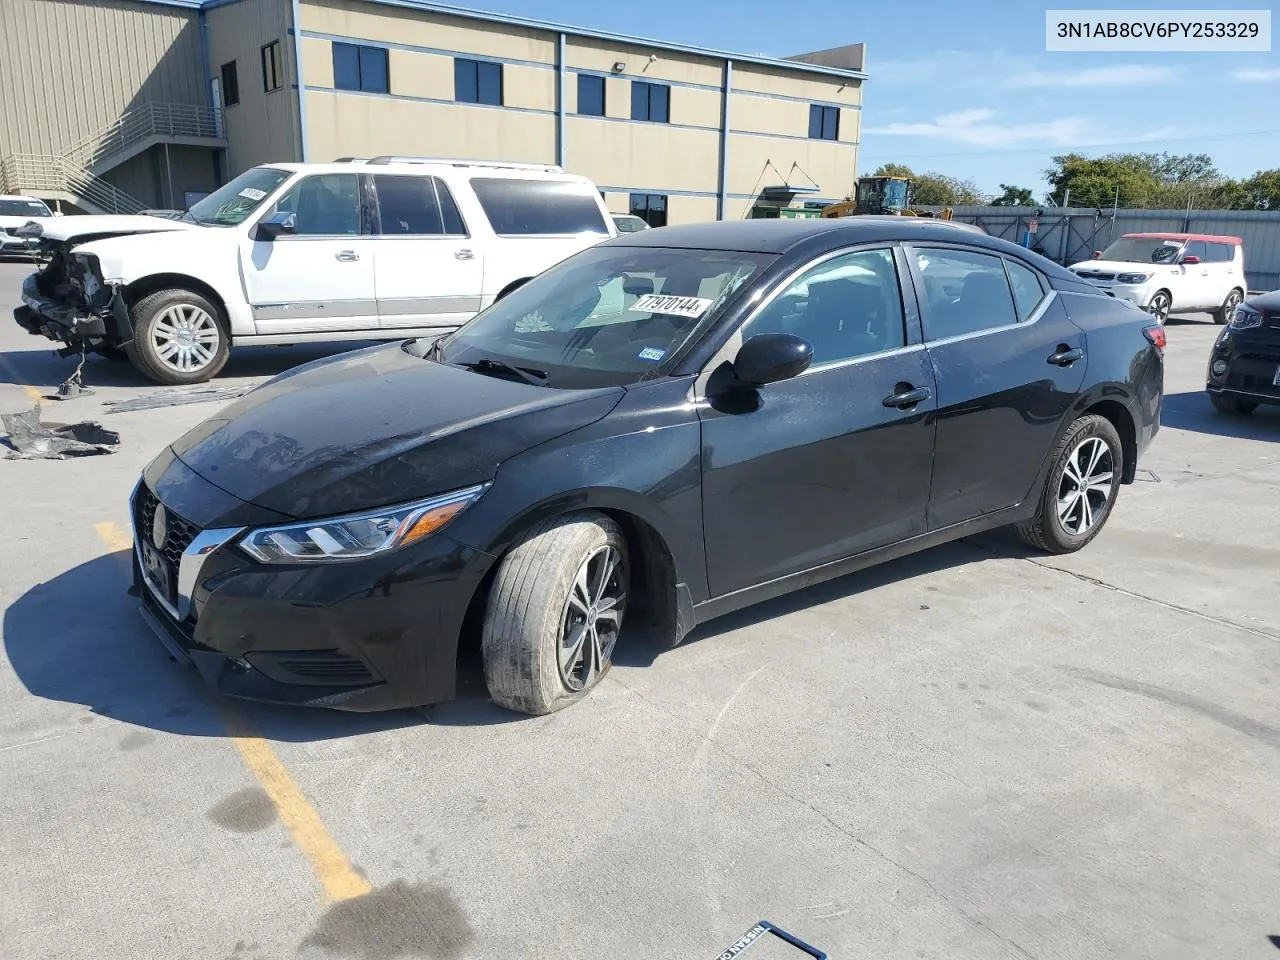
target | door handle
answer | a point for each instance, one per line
(906, 396)
(347, 256)
(1066, 356)
(464, 255)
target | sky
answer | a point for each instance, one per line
(968, 89)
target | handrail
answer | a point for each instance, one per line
(36, 173)
(148, 120)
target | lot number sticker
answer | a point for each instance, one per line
(671, 305)
(253, 193)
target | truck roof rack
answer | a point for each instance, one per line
(454, 162)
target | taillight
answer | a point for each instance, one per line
(1155, 335)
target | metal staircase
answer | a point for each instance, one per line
(75, 176)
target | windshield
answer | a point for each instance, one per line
(233, 202)
(1142, 250)
(605, 317)
(23, 208)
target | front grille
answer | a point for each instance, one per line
(1096, 275)
(1260, 357)
(179, 534)
(313, 667)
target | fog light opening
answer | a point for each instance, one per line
(1219, 367)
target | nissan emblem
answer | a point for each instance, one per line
(159, 527)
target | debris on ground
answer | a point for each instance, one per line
(73, 386)
(174, 398)
(29, 439)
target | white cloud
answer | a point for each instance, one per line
(1116, 76)
(978, 128)
(1256, 75)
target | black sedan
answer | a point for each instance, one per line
(1244, 366)
(663, 428)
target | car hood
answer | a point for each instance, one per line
(13, 222)
(375, 427)
(1118, 266)
(105, 225)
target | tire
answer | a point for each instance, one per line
(530, 612)
(1232, 406)
(197, 327)
(1223, 313)
(1060, 530)
(1160, 305)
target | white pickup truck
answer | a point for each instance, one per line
(361, 249)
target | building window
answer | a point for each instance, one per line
(651, 102)
(824, 122)
(230, 85)
(590, 95)
(360, 68)
(650, 207)
(272, 72)
(477, 81)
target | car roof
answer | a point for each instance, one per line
(1210, 237)
(817, 235)
(426, 167)
(19, 196)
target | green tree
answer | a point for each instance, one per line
(1014, 197)
(1260, 192)
(893, 170)
(933, 189)
(1154, 180)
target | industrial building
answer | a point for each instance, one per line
(152, 103)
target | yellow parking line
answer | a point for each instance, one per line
(7, 368)
(332, 867)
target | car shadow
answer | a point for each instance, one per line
(642, 649)
(45, 369)
(1193, 411)
(1195, 320)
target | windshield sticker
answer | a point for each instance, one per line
(671, 305)
(253, 193)
(651, 353)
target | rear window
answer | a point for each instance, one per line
(518, 208)
(1221, 252)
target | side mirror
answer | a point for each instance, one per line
(1191, 259)
(273, 226)
(770, 357)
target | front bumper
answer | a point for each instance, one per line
(374, 634)
(72, 323)
(1252, 364)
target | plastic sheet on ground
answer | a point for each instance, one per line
(29, 439)
(174, 398)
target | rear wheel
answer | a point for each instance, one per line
(179, 337)
(1223, 313)
(1233, 406)
(554, 612)
(1160, 305)
(1081, 489)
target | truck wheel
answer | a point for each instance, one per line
(179, 337)
(1223, 313)
(1082, 487)
(553, 613)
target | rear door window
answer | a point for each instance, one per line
(964, 292)
(1220, 253)
(1196, 248)
(539, 207)
(417, 206)
(1028, 290)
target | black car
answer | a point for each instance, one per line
(669, 425)
(1244, 366)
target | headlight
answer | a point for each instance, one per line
(1245, 317)
(359, 534)
(1133, 277)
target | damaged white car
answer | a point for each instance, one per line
(382, 248)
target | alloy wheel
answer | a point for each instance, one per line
(1233, 301)
(592, 618)
(185, 338)
(1086, 485)
(1159, 308)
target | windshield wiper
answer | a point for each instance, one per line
(536, 377)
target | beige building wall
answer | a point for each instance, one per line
(652, 157)
(402, 25)
(342, 124)
(69, 70)
(690, 209)
(163, 185)
(263, 127)
(756, 162)
(669, 65)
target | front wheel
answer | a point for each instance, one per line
(1232, 406)
(1223, 313)
(554, 612)
(178, 338)
(1160, 305)
(1081, 489)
